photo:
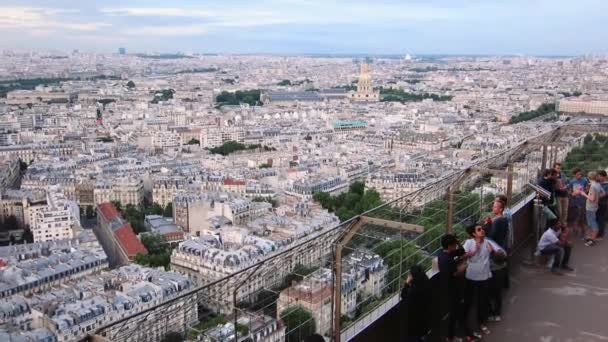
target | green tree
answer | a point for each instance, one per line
(117, 205)
(299, 323)
(156, 209)
(90, 212)
(168, 210)
(173, 336)
(193, 141)
(357, 187)
(543, 109)
(154, 243)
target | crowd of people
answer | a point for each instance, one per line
(579, 205)
(477, 271)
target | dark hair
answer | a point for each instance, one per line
(419, 277)
(557, 164)
(471, 228)
(448, 240)
(554, 172)
(314, 338)
(576, 170)
(602, 173)
(547, 172)
(552, 223)
(502, 198)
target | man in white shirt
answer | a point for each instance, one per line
(550, 244)
(478, 251)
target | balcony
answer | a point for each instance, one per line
(402, 233)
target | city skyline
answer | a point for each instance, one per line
(309, 27)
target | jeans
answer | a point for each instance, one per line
(497, 284)
(457, 316)
(592, 220)
(475, 295)
(562, 206)
(561, 255)
(601, 221)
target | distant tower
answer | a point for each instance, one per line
(365, 89)
(122, 51)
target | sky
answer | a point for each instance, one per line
(486, 27)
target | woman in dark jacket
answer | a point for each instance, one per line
(415, 303)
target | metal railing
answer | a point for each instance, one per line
(347, 276)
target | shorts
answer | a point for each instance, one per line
(592, 220)
(576, 215)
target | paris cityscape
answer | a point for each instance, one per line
(153, 194)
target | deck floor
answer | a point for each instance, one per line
(544, 307)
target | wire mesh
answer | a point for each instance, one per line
(291, 294)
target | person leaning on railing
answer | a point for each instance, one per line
(451, 268)
(416, 296)
(561, 192)
(548, 182)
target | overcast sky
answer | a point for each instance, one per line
(532, 27)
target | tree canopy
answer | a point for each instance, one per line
(543, 109)
(351, 203)
(399, 95)
(592, 156)
(232, 146)
(251, 97)
(299, 323)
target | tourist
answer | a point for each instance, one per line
(507, 214)
(602, 210)
(478, 251)
(561, 194)
(576, 210)
(548, 182)
(416, 295)
(551, 245)
(451, 269)
(591, 207)
(498, 266)
(499, 231)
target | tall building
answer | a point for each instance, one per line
(57, 220)
(365, 89)
(583, 106)
(122, 51)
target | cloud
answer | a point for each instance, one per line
(168, 30)
(300, 12)
(39, 20)
(156, 12)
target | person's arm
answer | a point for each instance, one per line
(496, 249)
(470, 248)
(591, 196)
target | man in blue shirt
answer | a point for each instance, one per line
(602, 211)
(577, 211)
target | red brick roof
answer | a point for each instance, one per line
(129, 242)
(108, 211)
(230, 181)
